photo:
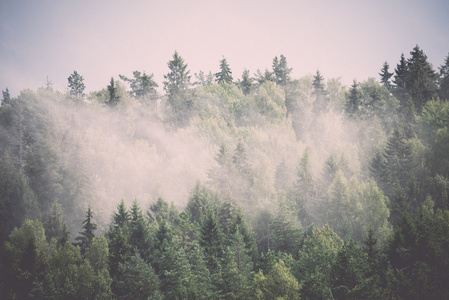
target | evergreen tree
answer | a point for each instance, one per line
(55, 226)
(321, 100)
(137, 280)
(139, 235)
(385, 76)
(6, 100)
(281, 71)
(176, 87)
(349, 273)
(421, 82)
(142, 85)
(267, 76)
(279, 283)
(76, 85)
(225, 74)
(211, 241)
(87, 235)
(246, 84)
(443, 80)
(113, 93)
(354, 100)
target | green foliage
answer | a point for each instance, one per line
(444, 80)
(279, 283)
(76, 85)
(281, 71)
(87, 235)
(142, 85)
(385, 75)
(270, 102)
(225, 74)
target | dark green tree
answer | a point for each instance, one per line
(138, 231)
(76, 85)
(354, 100)
(246, 84)
(321, 95)
(421, 82)
(137, 280)
(113, 93)
(6, 100)
(211, 241)
(349, 274)
(87, 235)
(385, 75)
(55, 225)
(261, 78)
(281, 71)
(142, 85)
(225, 74)
(176, 86)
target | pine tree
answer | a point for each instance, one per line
(6, 101)
(354, 100)
(321, 100)
(55, 226)
(385, 76)
(443, 80)
(76, 85)
(138, 236)
(87, 235)
(421, 81)
(210, 241)
(246, 85)
(142, 85)
(225, 74)
(176, 86)
(281, 71)
(113, 93)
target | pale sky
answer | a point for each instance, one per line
(350, 39)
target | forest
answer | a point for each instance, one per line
(217, 187)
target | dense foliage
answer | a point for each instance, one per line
(261, 188)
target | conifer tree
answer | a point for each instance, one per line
(139, 235)
(113, 93)
(385, 75)
(55, 226)
(142, 85)
(246, 84)
(87, 235)
(76, 85)
(421, 82)
(176, 86)
(281, 71)
(211, 241)
(225, 74)
(354, 100)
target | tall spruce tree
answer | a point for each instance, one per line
(246, 84)
(176, 85)
(385, 75)
(87, 235)
(113, 93)
(281, 71)
(142, 85)
(76, 85)
(421, 82)
(225, 74)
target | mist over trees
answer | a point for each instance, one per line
(264, 186)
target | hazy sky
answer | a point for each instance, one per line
(100, 39)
